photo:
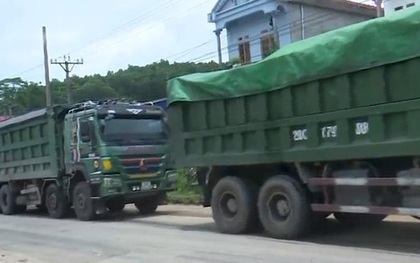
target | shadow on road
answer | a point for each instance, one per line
(392, 236)
(402, 237)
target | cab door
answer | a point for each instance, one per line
(87, 140)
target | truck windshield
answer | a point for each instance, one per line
(133, 131)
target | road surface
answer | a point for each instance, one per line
(187, 234)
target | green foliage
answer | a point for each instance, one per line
(186, 182)
(188, 192)
(139, 83)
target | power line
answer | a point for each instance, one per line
(127, 24)
(188, 51)
(151, 27)
(288, 26)
(65, 65)
(112, 32)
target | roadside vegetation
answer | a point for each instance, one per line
(188, 191)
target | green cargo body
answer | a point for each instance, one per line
(30, 146)
(368, 112)
(326, 125)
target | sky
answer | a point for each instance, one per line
(109, 35)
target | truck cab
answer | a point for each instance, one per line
(119, 151)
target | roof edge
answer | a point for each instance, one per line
(341, 5)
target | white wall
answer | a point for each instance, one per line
(390, 5)
(252, 27)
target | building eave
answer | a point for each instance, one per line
(340, 5)
(219, 4)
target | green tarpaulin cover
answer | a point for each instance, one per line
(364, 45)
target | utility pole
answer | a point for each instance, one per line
(378, 7)
(65, 65)
(46, 68)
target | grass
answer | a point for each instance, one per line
(189, 198)
(188, 192)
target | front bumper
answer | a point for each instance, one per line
(115, 185)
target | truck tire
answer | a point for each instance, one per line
(355, 219)
(56, 202)
(234, 205)
(284, 208)
(82, 202)
(147, 206)
(115, 205)
(7, 200)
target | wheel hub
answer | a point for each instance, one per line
(283, 207)
(278, 207)
(232, 205)
(53, 201)
(81, 201)
(228, 205)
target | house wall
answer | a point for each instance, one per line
(390, 5)
(252, 26)
(317, 20)
(251, 17)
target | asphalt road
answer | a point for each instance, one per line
(187, 234)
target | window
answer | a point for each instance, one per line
(268, 45)
(398, 8)
(410, 5)
(141, 132)
(244, 51)
(86, 131)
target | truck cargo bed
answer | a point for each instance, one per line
(28, 146)
(365, 107)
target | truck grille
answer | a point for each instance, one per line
(141, 167)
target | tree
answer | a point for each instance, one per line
(141, 83)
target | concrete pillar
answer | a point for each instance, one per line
(219, 45)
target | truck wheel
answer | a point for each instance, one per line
(284, 208)
(82, 202)
(234, 205)
(147, 206)
(115, 205)
(7, 200)
(354, 219)
(56, 202)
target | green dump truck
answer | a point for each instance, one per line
(90, 156)
(328, 125)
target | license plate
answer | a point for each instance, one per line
(146, 186)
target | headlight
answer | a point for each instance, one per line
(107, 165)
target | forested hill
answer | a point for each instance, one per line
(140, 83)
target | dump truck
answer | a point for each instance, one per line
(327, 125)
(92, 156)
